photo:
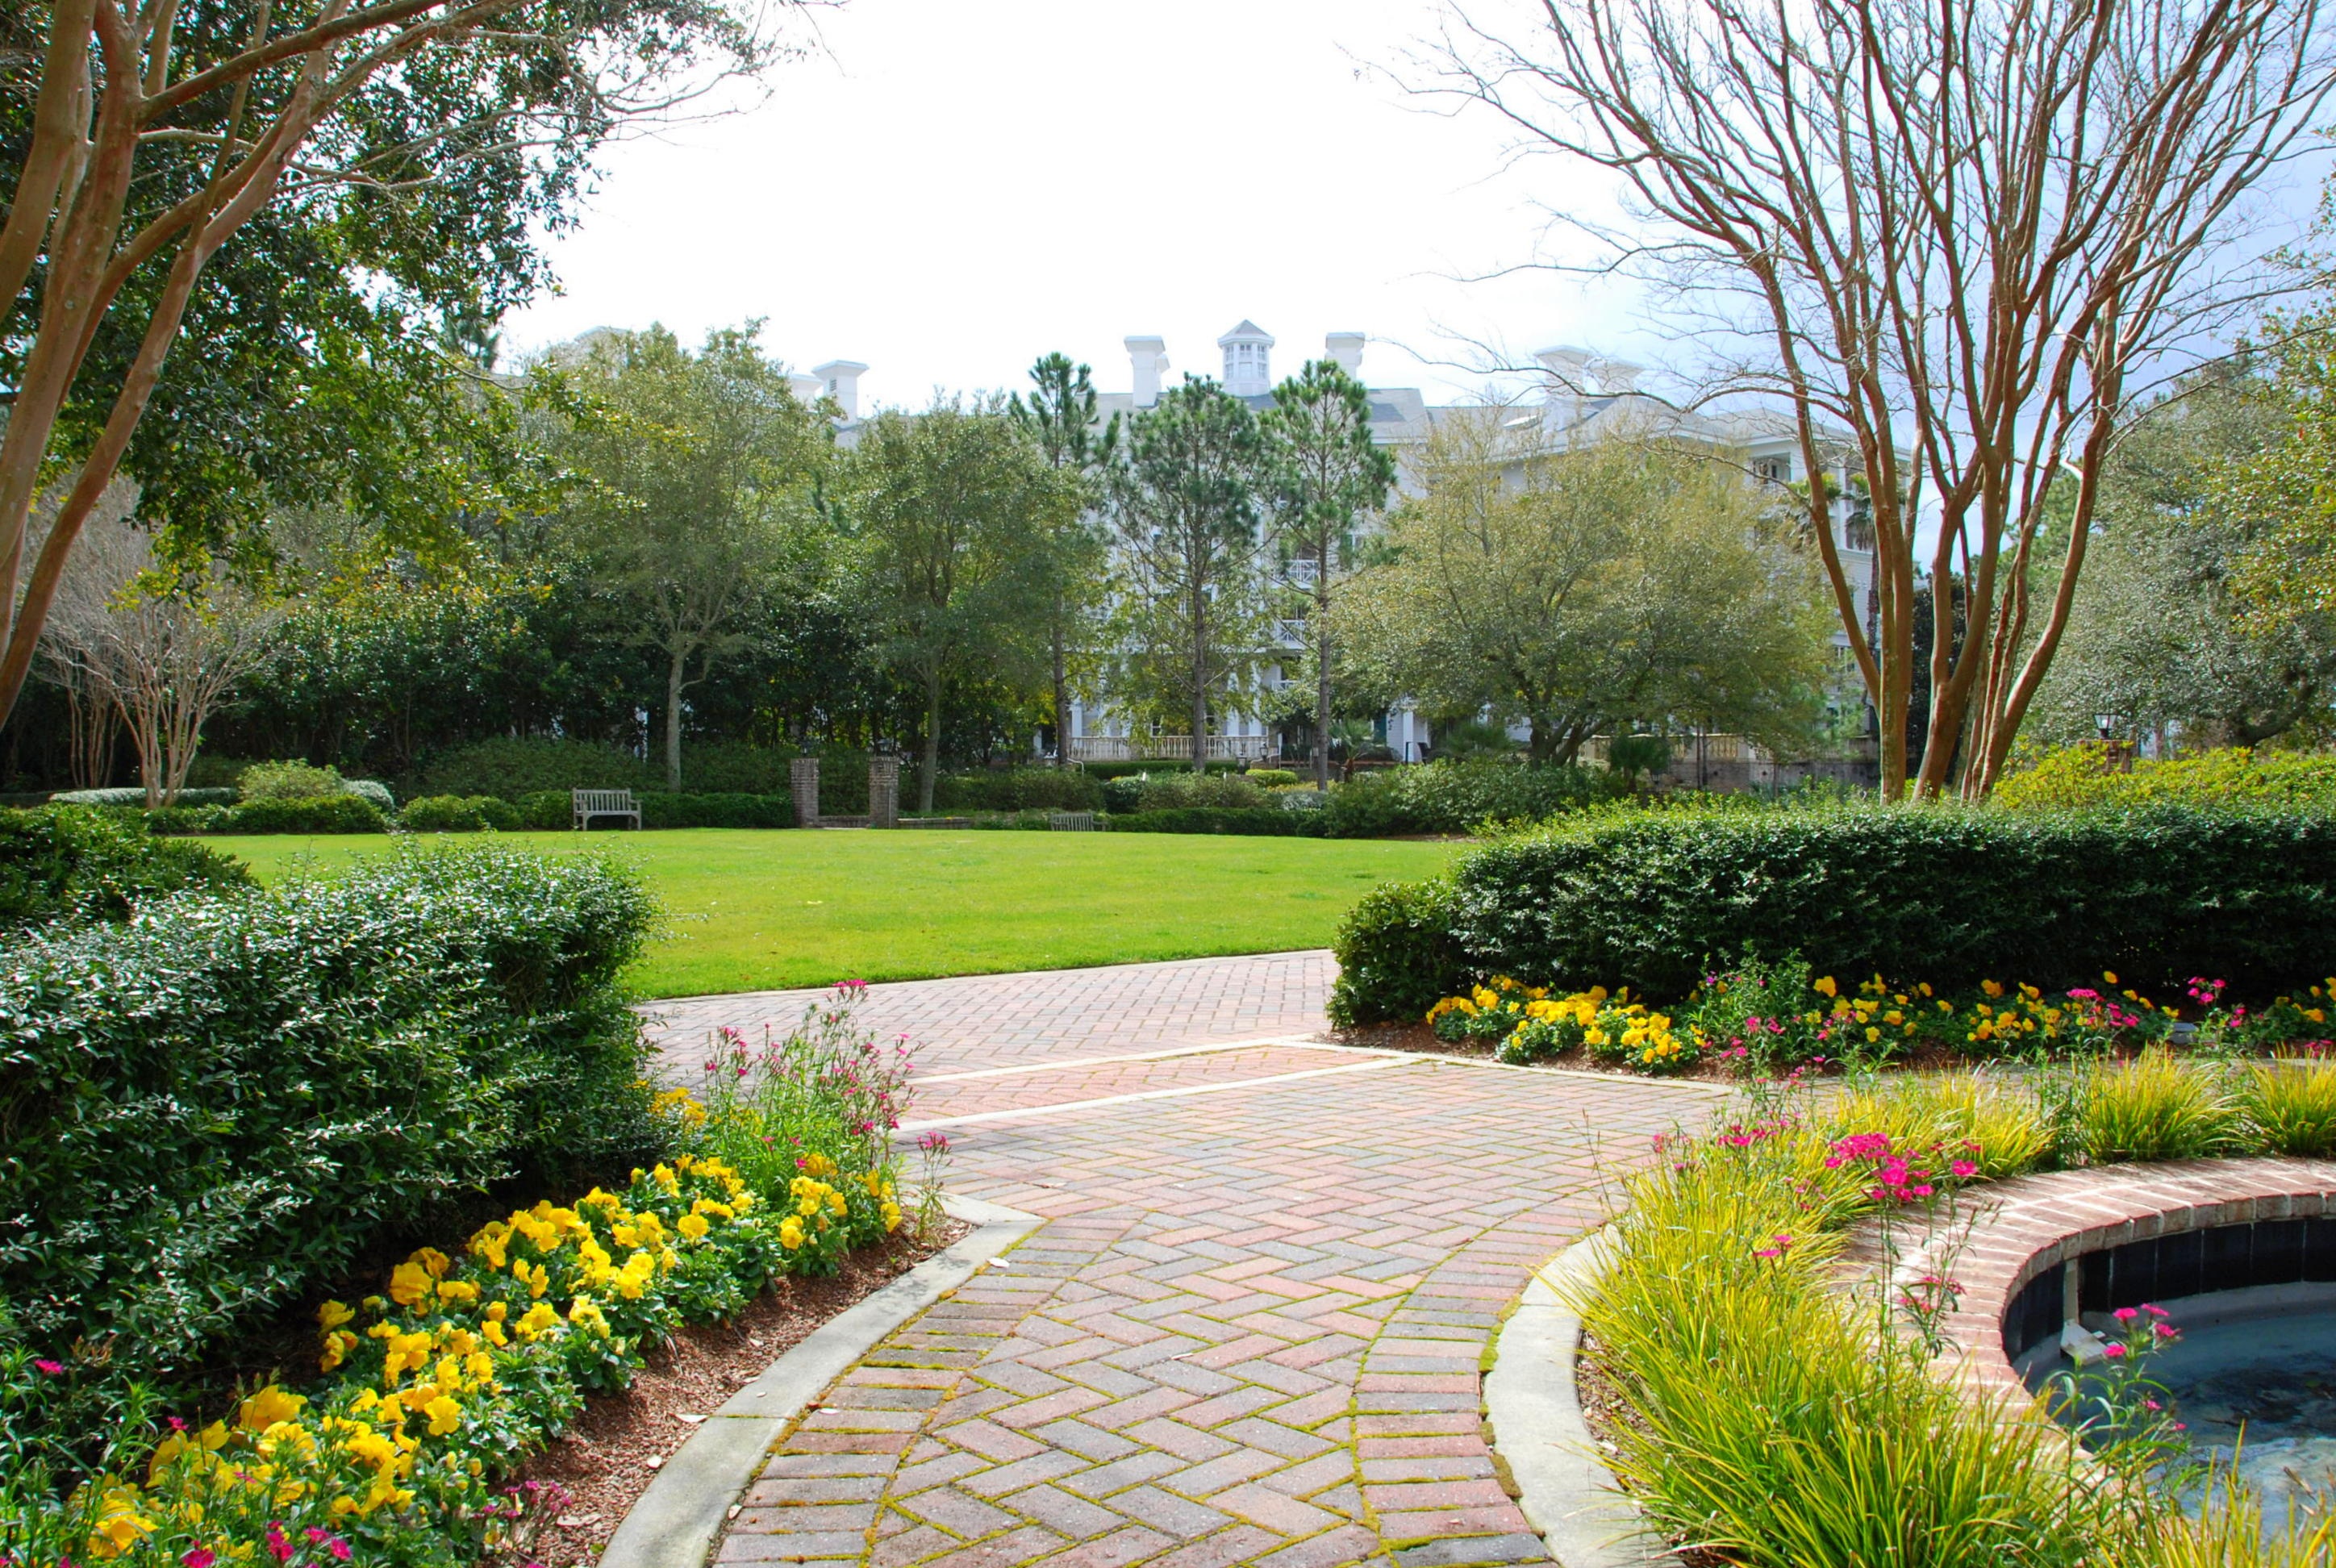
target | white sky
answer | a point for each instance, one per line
(955, 187)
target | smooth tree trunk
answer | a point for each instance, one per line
(1322, 678)
(1200, 681)
(1062, 698)
(928, 767)
(673, 683)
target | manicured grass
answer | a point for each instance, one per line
(749, 911)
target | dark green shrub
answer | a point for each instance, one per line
(227, 1102)
(1111, 770)
(730, 767)
(715, 811)
(335, 814)
(1456, 797)
(1166, 789)
(459, 814)
(546, 811)
(1019, 790)
(1946, 895)
(1398, 954)
(510, 768)
(67, 862)
(1261, 822)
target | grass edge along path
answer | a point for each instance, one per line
(772, 909)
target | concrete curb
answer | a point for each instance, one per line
(1565, 1492)
(677, 1520)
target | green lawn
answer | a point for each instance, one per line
(754, 910)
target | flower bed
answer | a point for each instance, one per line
(1768, 1416)
(1761, 1019)
(430, 1390)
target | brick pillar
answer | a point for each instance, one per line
(803, 783)
(883, 791)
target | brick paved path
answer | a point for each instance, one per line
(1250, 1329)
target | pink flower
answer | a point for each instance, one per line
(2159, 1312)
(277, 1544)
(52, 1368)
(2113, 1351)
(1964, 1169)
(2124, 1314)
(201, 1557)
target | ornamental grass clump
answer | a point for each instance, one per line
(2291, 1103)
(1774, 1422)
(2154, 1107)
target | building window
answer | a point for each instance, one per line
(1775, 469)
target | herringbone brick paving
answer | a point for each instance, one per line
(1249, 1331)
(998, 1021)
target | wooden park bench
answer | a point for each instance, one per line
(590, 803)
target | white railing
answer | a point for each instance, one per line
(1167, 747)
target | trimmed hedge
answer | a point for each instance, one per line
(1267, 822)
(67, 862)
(459, 814)
(1016, 789)
(1943, 894)
(1457, 797)
(718, 811)
(1397, 954)
(230, 1101)
(2082, 775)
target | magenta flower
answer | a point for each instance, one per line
(54, 1369)
(2113, 1351)
(201, 1557)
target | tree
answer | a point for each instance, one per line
(1327, 474)
(1962, 232)
(958, 510)
(696, 487)
(1060, 417)
(399, 152)
(1630, 581)
(2160, 644)
(161, 653)
(1185, 507)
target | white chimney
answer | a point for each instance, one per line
(810, 388)
(1346, 349)
(1569, 370)
(1149, 357)
(841, 380)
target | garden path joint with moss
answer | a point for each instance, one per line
(1252, 1327)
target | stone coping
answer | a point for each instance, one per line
(2028, 1225)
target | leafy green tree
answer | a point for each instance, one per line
(1060, 415)
(1327, 474)
(306, 184)
(1185, 507)
(697, 480)
(1633, 580)
(958, 510)
(2159, 642)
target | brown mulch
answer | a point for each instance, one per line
(607, 1460)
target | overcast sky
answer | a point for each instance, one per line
(952, 188)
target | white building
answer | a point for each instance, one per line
(1582, 397)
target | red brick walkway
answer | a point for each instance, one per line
(1251, 1331)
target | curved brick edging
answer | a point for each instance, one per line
(2031, 1225)
(1538, 1431)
